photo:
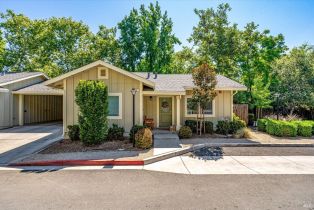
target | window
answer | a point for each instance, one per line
(191, 110)
(102, 73)
(115, 106)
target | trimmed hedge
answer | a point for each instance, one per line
(304, 128)
(261, 124)
(92, 99)
(185, 132)
(209, 126)
(223, 127)
(144, 138)
(134, 130)
(281, 128)
(115, 133)
(236, 124)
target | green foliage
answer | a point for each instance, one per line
(144, 138)
(312, 123)
(236, 124)
(183, 61)
(92, 99)
(134, 130)
(115, 133)
(261, 124)
(223, 127)
(185, 132)
(217, 41)
(74, 132)
(251, 117)
(304, 128)
(192, 124)
(209, 127)
(146, 40)
(281, 128)
(295, 74)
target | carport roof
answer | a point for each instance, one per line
(39, 89)
(9, 78)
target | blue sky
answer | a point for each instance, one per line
(293, 18)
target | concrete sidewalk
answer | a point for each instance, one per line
(236, 165)
(18, 142)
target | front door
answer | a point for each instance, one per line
(165, 112)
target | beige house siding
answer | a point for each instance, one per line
(116, 83)
(9, 110)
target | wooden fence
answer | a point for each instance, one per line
(242, 111)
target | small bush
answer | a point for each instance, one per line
(134, 130)
(251, 119)
(185, 132)
(209, 127)
(281, 128)
(261, 124)
(236, 124)
(304, 128)
(115, 133)
(144, 138)
(74, 132)
(192, 124)
(243, 133)
(223, 127)
(311, 123)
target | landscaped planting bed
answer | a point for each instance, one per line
(286, 128)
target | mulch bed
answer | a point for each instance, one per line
(67, 145)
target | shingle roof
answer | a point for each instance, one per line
(181, 82)
(40, 89)
(11, 77)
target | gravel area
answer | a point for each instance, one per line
(67, 145)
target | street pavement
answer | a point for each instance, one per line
(139, 189)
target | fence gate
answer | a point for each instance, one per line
(241, 110)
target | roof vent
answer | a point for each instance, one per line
(148, 75)
(155, 76)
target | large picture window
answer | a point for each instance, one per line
(191, 110)
(115, 106)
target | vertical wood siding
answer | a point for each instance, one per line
(116, 83)
(40, 108)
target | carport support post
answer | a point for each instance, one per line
(178, 113)
(21, 109)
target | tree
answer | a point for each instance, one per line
(295, 75)
(260, 96)
(183, 61)
(257, 52)
(217, 41)
(204, 79)
(2, 50)
(146, 40)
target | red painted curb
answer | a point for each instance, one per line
(106, 162)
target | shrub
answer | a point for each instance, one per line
(261, 124)
(92, 99)
(281, 128)
(185, 132)
(223, 127)
(74, 132)
(134, 130)
(251, 118)
(192, 124)
(236, 124)
(115, 133)
(144, 138)
(243, 133)
(312, 123)
(304, 128)
(209, 127)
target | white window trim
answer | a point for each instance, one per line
(195, 115)
(99, 69)
(120, 107)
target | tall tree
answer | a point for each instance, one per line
(183, 61)
(146, 39)
(295, 73)
(217, 40)
(2, 50)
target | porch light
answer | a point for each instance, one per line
(133, 92)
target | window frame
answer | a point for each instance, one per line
(119, 117)
(195, 115)
(99, 69)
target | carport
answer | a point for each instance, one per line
(37, 104)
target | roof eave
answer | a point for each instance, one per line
(24, 78)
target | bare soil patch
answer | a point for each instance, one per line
(67, 145)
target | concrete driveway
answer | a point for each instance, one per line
(21, 141)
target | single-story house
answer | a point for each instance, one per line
(161, 97)
(37, 107)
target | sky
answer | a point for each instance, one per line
(292, 18)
